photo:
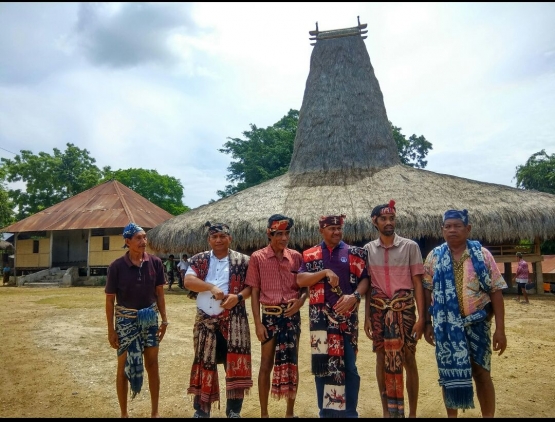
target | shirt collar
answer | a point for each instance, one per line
(341, 245)
(215, 258)
(396, 241)
(271, 253)
(128, 260)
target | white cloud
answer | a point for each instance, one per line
(163, 86)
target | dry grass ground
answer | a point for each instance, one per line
(56, 361)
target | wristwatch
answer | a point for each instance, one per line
(357, 296)
(239, 298)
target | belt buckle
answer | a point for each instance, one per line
(272, 310)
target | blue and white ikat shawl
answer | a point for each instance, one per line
(458, 339)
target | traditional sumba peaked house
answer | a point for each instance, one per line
(345, 160)
(84, 231)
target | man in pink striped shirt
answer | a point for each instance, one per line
(395, 267)
(272, 277)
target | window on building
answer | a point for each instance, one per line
(35, 246)
(106, 243)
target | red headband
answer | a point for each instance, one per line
(279, 225)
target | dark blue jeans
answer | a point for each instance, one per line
(232, 404)
(352, 386)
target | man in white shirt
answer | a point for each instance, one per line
(182, 268)
(218, 279)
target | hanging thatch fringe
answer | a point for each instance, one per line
(497, 213)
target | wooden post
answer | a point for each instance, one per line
(508, 274)
(537, 268)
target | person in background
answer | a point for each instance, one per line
(170, 271)
(521, 278)
(337, 279)
(221, 330)
(272, 277)
(6, 274)
(463, 291)
(134, 298)
(182, 267)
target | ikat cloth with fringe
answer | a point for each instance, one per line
(234, 326)
(459, 339)
(136, 330)
(327, 328)
(286, 331)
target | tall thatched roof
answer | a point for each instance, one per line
(345, 161)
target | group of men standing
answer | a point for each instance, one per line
(450, 299)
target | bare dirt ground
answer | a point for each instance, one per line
(56, 361)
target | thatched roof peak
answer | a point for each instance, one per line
(345, 160)
(343, 123)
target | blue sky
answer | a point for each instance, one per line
(163, 85)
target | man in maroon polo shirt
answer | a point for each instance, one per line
(337, 277)
(272, 276)
(136, 282)
(396, 291)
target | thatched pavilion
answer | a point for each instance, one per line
(345, 160)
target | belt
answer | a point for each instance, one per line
(397, 304)
(275, 309)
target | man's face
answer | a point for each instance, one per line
(455, 232)
(137, 243)
(279, 239)
(332, 235)
(385, 224)
(219, 242)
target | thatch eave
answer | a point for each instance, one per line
(498, 213)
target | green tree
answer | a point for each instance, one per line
(6, 207)
(413, 150)
(266, 153)
(49, 178)
(538, 173)
(162, 190)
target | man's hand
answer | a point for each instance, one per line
(113, 339)
(429, 334)
(293, 307)
(418, 329)
(368, 327)
(217, 293)
(345, 304)
(229, 301)
(333, 279)
(261, 332)
(499, 342)
(161, 332)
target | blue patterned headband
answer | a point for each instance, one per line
(457, 214)
(130, 230)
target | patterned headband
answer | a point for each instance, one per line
(456, 214)
(217, 228)
(279, 225)
(388, 208)
(331, 220)
(130, 230)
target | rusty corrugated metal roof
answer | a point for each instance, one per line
(109, 205)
